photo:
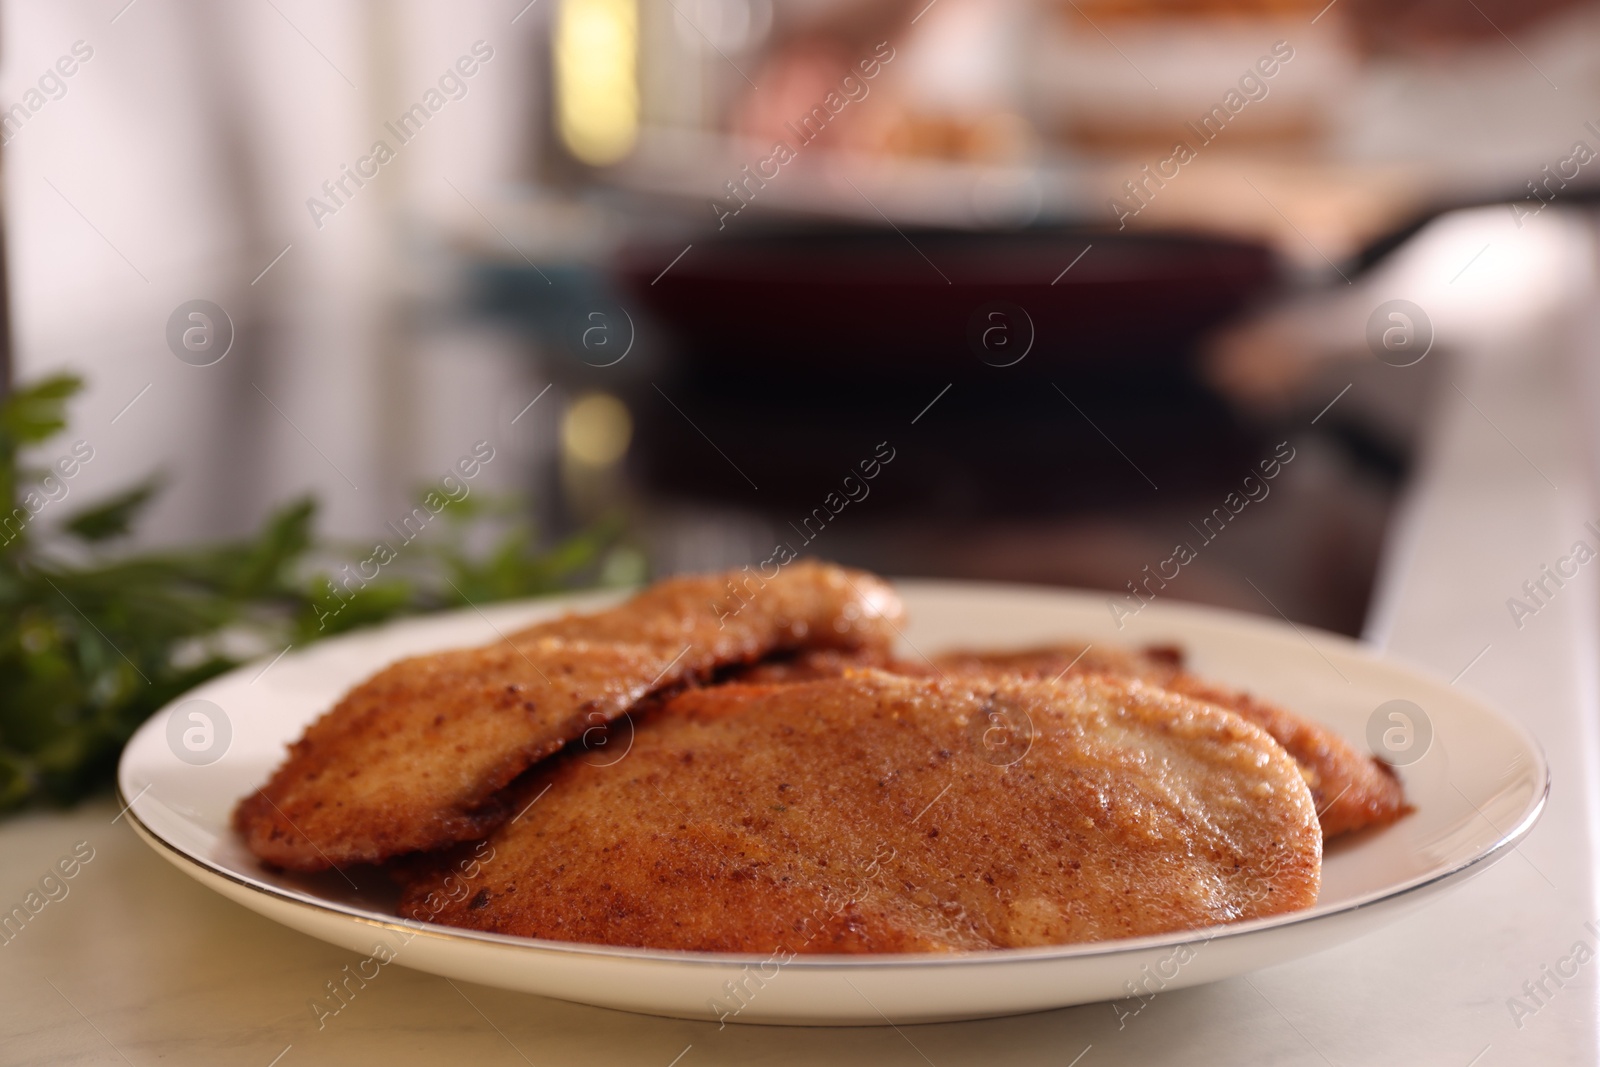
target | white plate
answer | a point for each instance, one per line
(1478, 791)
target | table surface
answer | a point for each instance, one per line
(139, 964)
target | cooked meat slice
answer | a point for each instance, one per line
(414, 758)
(1352, 791)
(882, 813)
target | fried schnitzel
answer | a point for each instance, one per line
(1352, 791)
(415, 757)
(870, 813)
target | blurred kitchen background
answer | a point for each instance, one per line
(978, 250)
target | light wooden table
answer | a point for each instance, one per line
(139, 964)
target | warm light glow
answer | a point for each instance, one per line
(597, 91)
(596, 430)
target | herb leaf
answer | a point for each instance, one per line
(93, 642)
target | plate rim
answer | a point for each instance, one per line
(1186, 611)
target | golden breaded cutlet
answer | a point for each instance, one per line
(1353, 791)
(883, 813)
(415, 757)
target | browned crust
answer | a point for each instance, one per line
(865, 814)
(414, 758)
(1352, 791)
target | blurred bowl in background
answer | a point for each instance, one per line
(929, 304)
